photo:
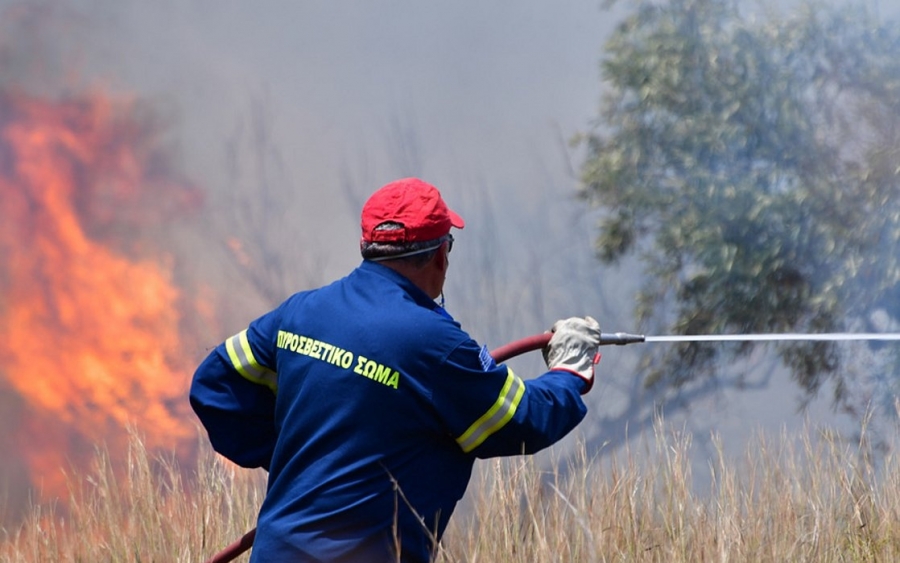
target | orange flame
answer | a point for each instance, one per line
(89, 336)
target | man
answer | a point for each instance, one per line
(367, 402)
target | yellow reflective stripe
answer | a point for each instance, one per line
(245, 363)
(497, 416)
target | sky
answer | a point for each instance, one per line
(317, 104)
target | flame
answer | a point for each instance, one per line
(89, 318)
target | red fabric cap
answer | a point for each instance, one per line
(413, 203)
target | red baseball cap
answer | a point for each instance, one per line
(413, 203)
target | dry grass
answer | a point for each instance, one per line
(147, 511)
(810, 497)
(807, 497)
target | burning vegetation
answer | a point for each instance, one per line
(91, 319)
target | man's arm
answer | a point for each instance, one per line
(550, 407)
(233, 393)
(238, 415)
(504, 415)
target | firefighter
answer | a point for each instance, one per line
(368, 404)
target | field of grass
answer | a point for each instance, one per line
(807, 497)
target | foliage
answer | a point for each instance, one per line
(752, 165)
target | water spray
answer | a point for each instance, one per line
(827, 336)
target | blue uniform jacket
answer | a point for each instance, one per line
(368, 405)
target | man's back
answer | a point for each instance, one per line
(360, 438)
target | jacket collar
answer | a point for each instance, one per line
(419, 296)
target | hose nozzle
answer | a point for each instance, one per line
(619, 338)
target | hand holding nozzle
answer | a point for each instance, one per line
(573, 347)
(538, 341)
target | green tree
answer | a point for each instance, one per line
(751, 165)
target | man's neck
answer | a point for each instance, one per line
(425, 277)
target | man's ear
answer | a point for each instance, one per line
(440, 259)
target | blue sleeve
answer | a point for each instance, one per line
(238, 415)
(233, 393)
(492, 412)
(550, 408)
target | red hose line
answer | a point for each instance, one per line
(234, 550)
(519, 347)
(500, 355)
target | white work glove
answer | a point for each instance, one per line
(574, 347)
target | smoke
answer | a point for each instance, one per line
(285, 116)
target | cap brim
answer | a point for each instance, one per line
(455, 219)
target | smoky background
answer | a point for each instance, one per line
(285, 116)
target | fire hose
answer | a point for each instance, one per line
(501, 354)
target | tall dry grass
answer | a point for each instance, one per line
(809, 496)
(149, 511)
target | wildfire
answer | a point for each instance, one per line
(89, 317)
